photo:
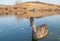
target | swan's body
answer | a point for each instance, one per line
(38, 32)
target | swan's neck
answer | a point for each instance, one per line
(33, 26)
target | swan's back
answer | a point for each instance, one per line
(41, 31)
(43, 26)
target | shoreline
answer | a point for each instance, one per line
(28, 9)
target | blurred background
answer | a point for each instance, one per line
(12, 2)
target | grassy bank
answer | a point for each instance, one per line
(30, 9)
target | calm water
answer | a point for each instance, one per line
(13, 28)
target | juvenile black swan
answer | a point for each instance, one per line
(38, 32)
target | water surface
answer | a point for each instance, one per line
(13, 28)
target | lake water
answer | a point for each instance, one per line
(13, 28)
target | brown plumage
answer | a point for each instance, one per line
(38, 32)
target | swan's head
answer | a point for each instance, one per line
(31, 21)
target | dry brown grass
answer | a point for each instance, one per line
(26, 9)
